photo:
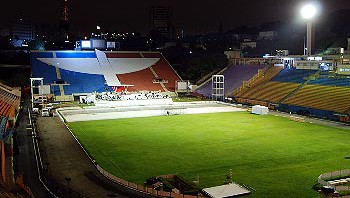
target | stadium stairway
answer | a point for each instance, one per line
(297, 89)
(163, 70)
(247, 83)
(58, 75)
(257, 81)
(234, 76)
(207, 78)
(156, 76)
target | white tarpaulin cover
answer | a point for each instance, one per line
(228, 190)
(260, 110)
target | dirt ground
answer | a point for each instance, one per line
(67, 159)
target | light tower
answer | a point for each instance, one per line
(64, 21)
(308, 12)
(65, 10)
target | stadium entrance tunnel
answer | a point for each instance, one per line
(173, 183)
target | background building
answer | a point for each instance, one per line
(162, 20)
(22, 33)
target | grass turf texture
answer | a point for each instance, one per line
(275, 156)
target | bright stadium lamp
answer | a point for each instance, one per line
(308, 12)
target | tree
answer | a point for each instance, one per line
(36, 45)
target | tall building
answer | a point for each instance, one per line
(162, 20)
(22, 32)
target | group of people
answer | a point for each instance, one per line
(111, 96)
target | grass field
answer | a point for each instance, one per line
(275, 156)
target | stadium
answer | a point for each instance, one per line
(267, 127)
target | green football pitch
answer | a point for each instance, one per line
(274, 155)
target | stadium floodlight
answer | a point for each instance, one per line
(308, 12)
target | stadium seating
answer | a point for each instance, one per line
(237, 74)
(316, 92)
(75, 54)
(336, 99)
(8, 103)
(258, 82)
(293, 75)
(142, 80)
(332, 81)
(123, 55)
(9, 108)
(273, 91)
(164, 71)
(42, 70)
(9, 195)
(234, 76)
(86, 73)
(83, 83)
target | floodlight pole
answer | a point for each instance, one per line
(309, 38)
(309, 12)
(304, 45)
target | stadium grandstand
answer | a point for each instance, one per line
(70, 73)
(234, 76)
(314, 92)
(10, 99)
(317, 86)
(128, 87)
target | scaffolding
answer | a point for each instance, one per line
(34, 86)
(218, 87)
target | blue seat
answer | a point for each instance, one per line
(82, 82)
(332, 81)
(293, 75)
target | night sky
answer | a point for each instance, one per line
(194, 16)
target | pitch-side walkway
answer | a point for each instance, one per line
(25, 163)
(307, 118)
(68, 160)
(314, 120)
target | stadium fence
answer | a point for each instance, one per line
(142, 188)
(335, 174)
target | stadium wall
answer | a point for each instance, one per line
(308, 111)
